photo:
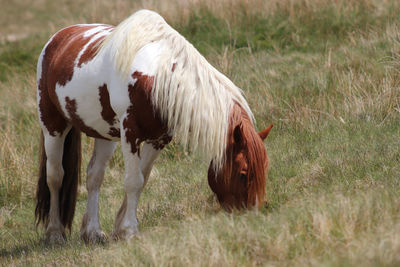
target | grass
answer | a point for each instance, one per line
(326, 73)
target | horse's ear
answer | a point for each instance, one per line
(238, 134)
(264, 133)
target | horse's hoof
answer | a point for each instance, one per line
(124, 234)
(94, 237)
(55, 238)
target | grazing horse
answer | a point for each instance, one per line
(141, 83)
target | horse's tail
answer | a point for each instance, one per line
(71, 163)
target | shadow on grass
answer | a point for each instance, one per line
(26, 247)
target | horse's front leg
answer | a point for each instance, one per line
(126, 224)
(103, 150)
(147, 157)
(137, 172)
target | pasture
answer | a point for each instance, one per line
(325, 72)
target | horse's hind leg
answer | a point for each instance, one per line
(91, 230)
(137, 173)
(54, 146)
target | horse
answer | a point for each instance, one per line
(140, 83)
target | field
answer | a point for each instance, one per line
(325, 72)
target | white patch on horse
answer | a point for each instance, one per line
(95, 30)
(147, 59)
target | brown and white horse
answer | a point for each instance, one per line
(142, 83)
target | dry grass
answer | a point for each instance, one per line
(325, 72)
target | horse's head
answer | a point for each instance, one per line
(240, 182)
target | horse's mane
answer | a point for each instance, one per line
(194, 97)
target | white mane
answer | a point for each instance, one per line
(194, 98)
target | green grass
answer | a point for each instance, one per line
(326, 73)
(20, 56)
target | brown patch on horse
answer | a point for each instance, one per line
(241, 181)
(75, 120)
(143, 123)
(53, 121)
(107, 113)
(90, 51)
(161, 142)
(49, 114)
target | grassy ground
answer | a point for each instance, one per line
(325, 72)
